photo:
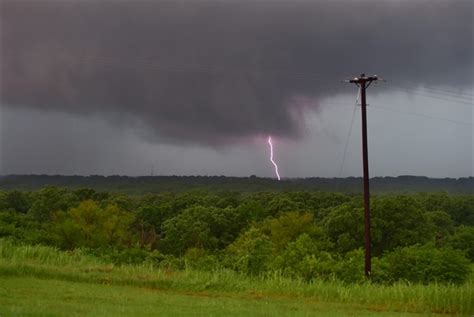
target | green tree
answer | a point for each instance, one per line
(462, 210)
(280, 204)
(89, 225)
(425, 264)
(251, 253)
(16, 200)
(443, 225)
(288, 226)
(304, 258)
(344, 226)
(463, 239)
(50, 199)
(209, 228)
(22, 227)
(85, 194)
(400, 221)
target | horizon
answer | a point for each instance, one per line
(226, 176)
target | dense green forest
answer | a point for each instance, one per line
(421, 238)
(156, 184)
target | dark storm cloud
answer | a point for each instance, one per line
(216, 71)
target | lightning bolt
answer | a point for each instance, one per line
(271, 157)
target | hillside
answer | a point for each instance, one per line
(156, 184)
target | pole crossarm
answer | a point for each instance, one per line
(363, 79)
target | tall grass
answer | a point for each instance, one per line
(43, 254)
(50, 263)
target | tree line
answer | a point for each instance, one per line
(302, 234)
(146, 184)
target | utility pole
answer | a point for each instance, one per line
(363, 82)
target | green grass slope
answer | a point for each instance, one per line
(29, 296)
(37, 280)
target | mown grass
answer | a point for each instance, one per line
(46, 263)
(28, 296)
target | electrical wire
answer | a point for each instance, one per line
(421, 115)
(460, 102)
(349, 133)
(424, 90)
(440, 90)
(461, 96)
(463, 100)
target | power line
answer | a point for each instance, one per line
(461, 102)
(432, 91)
(425, 115)
(445, 94)
(451, 96)
(447, 91)
(444, 99)
(421, 115)
(349, 134)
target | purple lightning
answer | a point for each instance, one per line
(271, 157)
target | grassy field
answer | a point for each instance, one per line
(27, 296)
(44, 281)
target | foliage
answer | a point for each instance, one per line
(179, 184)
(299, 234)
(399, 221)
(48, 200)
(287, 227)
(251, 253)
(210, 228)
(423, 264)
(16, 201)
(463, 239)
(345, 227)
(21, 227)
(303, 258)
(91, 226)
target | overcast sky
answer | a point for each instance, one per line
(195, 87)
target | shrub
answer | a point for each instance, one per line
(200, 259)
(91, 226)
(305, 258)
(400, 221)
(463, 240)
(344, 227)
(133, 255)
(351, 268)
(425, 264)
(209, 228)
(289, 226)
(251, 253)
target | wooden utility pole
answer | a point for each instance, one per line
(363, 82)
